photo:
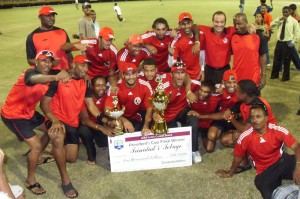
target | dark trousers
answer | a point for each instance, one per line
(89, 137)
(295, 58)
(216, 75)
(271, 178)
(120, 18)
(282, 54)
(187, 120)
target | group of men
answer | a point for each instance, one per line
(192, 64)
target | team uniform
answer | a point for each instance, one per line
(183, 49)
(217, 52)
(18, 111)
(89, 135)
(124, 57)
(271, 163)
(203, 107)
(48, 40)
(67, 101)
(246, 50)
(161, 58)
(153, 83)
(133, 99)
(102, 61)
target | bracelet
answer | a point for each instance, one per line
(197, 42)
(298, 162)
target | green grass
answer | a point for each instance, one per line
(95, 182)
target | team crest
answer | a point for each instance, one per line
(225, 40)
(137, 100)
(118, 144)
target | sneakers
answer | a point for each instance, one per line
(196, 157)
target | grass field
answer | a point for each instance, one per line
(96, 182)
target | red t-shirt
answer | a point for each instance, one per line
(265, 150)
(100, 104)
(68, 99)
(227, 100)
(161, 58)
(245, 50)
(23, 97)
(183, 48)
(48, 40)
(124, 56)
(133, 99)
(217, 47)
(102, 60)
(177, 100)
(206, 106)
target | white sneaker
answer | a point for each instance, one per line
(123, 20)
(196, 157)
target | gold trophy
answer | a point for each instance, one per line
(115, 113)
(159, 103)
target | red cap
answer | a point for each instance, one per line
(106, 33)
(229, 75)
(129, 67)
(44, 54)
(185, 15)
(47, 10)
(80, 59)
(135, 39)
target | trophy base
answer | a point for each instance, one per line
(160, 128)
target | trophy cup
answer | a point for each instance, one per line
(159, 103)
(115, 113)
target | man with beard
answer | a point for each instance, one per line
(63, 117)
(263, 141)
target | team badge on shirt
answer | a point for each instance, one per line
(225, 40)
(137, 100)
(262, 140)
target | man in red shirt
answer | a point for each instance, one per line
(159, 39)
(183, 46)
(217, 46)
(263, 141)
(133, 94)
(228, 99)
(249, 52)
(207, 103)
(19, 115)
(134, 52)
(63, 117)
(48, 37)
(89, 130)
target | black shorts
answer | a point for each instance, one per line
(72, 135)
(23, 128)
(223, 125)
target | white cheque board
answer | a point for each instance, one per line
(132, 151)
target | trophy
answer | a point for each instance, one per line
(159, 103)
(115, 113)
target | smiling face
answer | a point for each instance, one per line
(47, 21)
(178, 78)
(219, 22)
(186, 26)
(44, 66)
(130, 78)
(134, 50)
(99, 87)
(204, 92)
(230, 85)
